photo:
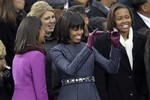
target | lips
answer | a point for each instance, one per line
(51, 26)
(125, 26)
(78, 37)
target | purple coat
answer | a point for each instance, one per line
(29, 76)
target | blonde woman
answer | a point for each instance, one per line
(46, 14)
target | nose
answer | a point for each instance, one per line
(124, 20)
(52, 20)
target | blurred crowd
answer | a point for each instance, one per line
(46, 45)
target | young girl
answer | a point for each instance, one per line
(29, 61)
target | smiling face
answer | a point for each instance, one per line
(76, 35)
(48, 21)
(123, 20)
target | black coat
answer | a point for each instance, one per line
(28, 5)
(127, 84)
(7, 35)
(138, 22)
(97, 9)
(146, 33)
(126, 2)
(3, 94)
(52, 79)
(8, 32)
(147, 60)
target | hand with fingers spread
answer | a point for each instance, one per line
(92, 37)
(115, 38)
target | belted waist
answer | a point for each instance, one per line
(78, 80)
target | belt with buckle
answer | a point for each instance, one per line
(78, 80)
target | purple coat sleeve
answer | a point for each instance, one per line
(110, 65)
(38, 72)
(70, 67)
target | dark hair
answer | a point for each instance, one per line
(137, 3)
(69, 20)
(78, 9)
(7, 11)
(73, 2)
(111, 15)
(27, 33)
(56, 3)
(97, 22)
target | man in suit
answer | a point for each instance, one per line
(125, 2)
(141, 14)
(146, 33)
(100, 8)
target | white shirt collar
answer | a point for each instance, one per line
(107, 8)
(145, 19)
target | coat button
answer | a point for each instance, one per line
(131, 94)
(130, 76)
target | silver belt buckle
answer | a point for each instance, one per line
(78, 80)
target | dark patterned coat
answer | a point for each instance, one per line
(77, 60)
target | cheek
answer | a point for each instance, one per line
(130, 21)
(117, 23)
(42, 35)
(42, 38)
(45, 24)
(71, 36)
(19, 4)
(54, 20)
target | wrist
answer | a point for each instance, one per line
(115, 45)
(88, 46)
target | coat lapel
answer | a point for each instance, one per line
(137, 42)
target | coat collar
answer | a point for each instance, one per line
(138, 42)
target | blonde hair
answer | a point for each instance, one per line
(2, 56)
(39, 8)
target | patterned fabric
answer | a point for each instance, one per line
(77, 60)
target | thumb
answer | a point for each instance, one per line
(94, 31)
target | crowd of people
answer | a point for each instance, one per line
(74, 49)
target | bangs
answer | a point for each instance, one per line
(77, 22)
